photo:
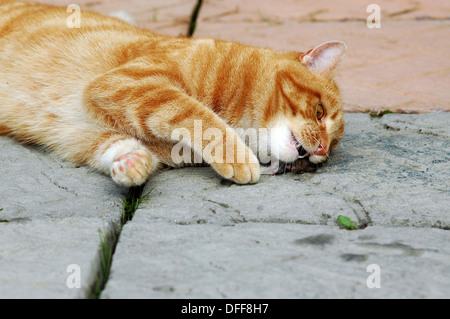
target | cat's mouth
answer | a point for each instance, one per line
(319, 155)
(302, 153)
(302, 164)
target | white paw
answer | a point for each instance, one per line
(130, 163)
(132, 169)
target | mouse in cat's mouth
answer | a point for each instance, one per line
(300, 166)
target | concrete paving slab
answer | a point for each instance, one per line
(269, 260)
(51, 218)
(200, 237)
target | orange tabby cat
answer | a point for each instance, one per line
(110, 95)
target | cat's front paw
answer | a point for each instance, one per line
(133, 168)
(240, 173)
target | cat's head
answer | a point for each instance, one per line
(309, 120)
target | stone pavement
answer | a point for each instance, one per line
(53, 216)
(403, 66)
(200, 237)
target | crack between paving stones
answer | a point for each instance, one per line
(366, 221)
(412, 130)
(193, 20)
(358, 209)
(109, 240)
(384, 126)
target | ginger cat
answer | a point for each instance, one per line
(110, 96)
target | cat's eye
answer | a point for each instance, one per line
(320, 111)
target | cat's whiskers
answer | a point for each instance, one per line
(317, 141)
(310, 145)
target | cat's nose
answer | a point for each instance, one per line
(301, 151)
(321, 150)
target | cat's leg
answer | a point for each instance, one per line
(156, 107)
(126, 159)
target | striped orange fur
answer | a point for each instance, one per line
(110, 95)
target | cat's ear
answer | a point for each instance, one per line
(324, 58)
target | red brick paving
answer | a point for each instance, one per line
(404, 66)
(170, 17)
